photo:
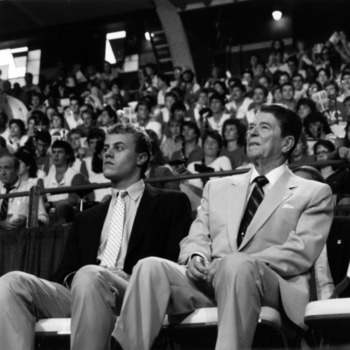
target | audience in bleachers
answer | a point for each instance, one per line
(76, 106)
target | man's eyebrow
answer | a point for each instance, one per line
(265, 123)
(116, 144)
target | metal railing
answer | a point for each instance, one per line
(35, 192)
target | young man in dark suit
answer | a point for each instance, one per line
(104, 245)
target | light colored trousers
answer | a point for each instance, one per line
(93, 302)
(157, 286)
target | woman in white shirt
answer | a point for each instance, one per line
(211, 162)
(27, 174)
(218, 116)
(58, 132)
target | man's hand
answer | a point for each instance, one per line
(9, 224)
(19, 221)
(212, 268)
(5, 225)
(197, 271)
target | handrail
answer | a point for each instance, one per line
(94, 186)
(35, 192)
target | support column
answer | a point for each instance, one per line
(175, 34)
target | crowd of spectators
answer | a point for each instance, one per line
(194, 128)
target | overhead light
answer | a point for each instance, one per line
(116, 35)
(277, 15)
(20, 49)
(148, 36)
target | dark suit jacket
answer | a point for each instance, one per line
(163, 218)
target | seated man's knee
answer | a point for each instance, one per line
(236, 264)
(13, 283)
(86, 276)
(150, 265)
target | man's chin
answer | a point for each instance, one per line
(109, 174)
(252, 155)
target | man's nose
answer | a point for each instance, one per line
(108, 153)
(253, 131)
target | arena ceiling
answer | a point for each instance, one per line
(20, 16)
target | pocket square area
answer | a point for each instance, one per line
(287, 206)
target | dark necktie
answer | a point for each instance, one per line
(253, 204)
(5, 204)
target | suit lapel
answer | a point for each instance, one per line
(278, 194)
(235, 196)
(145, 210)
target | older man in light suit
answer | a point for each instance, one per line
(242, 252)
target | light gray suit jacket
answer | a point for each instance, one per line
(288, 231)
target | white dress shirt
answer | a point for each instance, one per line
(272, 176)
(19, 206)
(132, 201)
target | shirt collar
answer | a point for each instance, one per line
(134, 191)
(15, 185)
(272, 176)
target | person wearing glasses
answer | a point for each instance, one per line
(338, 178)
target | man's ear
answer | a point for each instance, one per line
(142, 158)
(288, 143)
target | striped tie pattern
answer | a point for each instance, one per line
(5, 204)
(253, 204)
(115, 235)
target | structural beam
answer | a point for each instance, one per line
(175, 34)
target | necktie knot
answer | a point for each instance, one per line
(9, 188)
(261, 181)
(122, 194)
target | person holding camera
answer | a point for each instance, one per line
(211, 161)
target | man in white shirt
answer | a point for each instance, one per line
(90, 282)
(259, 98)
(253, 243)
(72, 114)
(239, 104)
(288, 96)
(143, 118)
(14, 211)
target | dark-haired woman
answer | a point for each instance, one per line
(157, 165)
(28, 178)
(233, 132)
(94, 167)
(28, 168)
(190, 150)
(211, 161)
(106, 118)
(317, 128)
(18, 135)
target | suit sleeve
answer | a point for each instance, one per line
(304, 244)
(70, 261)
(198, 241)
(180, 224)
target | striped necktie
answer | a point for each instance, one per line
(253, 204)
(115, 235)
(5, 204)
